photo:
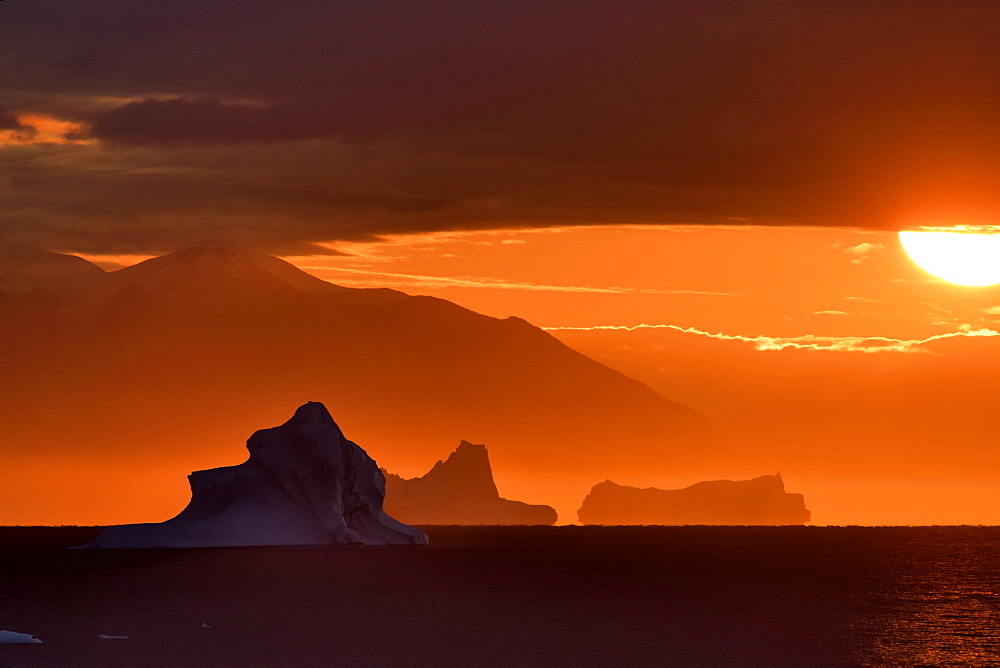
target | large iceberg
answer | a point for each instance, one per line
(303, 484)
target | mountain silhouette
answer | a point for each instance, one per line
(304, 484)
(459, 490)
(762, 500)
(172, 359)
(25, 269)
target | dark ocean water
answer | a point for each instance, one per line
(794, 596)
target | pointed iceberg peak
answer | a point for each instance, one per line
(468, 468)
(470, 446)
(459, 490)
(311, 412)
(470, 453)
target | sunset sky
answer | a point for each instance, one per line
(704, 196)
(786, 338)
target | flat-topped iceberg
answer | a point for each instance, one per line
(303, 484)
(761, 501)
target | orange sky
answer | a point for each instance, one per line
(704, 196)
(826, 354)
(712, 305)
(738, 280)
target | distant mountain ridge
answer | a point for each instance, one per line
(217, 337)
(25, 269)
(459, 490)
(213, 259)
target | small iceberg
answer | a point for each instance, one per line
(13, 637)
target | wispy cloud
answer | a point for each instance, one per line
(856, 344)
(961, 229)
(383, 278)
(830, 313)
(394, 247)
(861, 253)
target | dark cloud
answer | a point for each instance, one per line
(298, 122)
(8, 121)
(200, 121)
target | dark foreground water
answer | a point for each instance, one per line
(516, 596)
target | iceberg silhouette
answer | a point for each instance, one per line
(459, 490)
(303, 484)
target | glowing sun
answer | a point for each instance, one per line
(962, 258)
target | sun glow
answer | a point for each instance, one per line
(958, 257)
